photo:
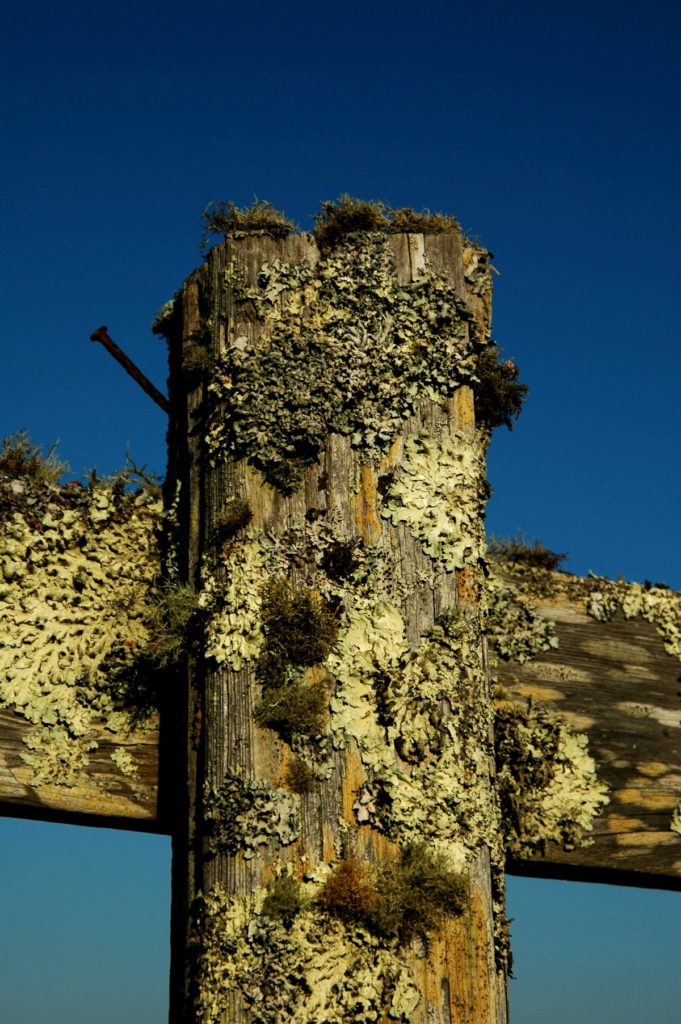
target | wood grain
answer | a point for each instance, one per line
(103, 794)
(615, 682)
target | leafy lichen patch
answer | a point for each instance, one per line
(439, 494)
(344, 348)
(655, 604)
(56, 756)
(547, 781)
(601, 598)
(515, 627)
(77, 567)
(124, 761)
(244, 815)
(421, 727)
(234, 628)
(314, 968)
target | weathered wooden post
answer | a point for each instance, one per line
(339, 855)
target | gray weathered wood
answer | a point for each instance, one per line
(615, 682)
(457, 977)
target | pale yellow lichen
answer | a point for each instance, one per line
(658, 605)
(310, 374)
(244, 815)
(547, 780)
(124, 761)
(516, 629)
(75, 587)
(438, 494)
(311, 970)
(372, 643)
(234, 633)
(421, 723)
(56, 756)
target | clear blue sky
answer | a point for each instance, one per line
(552, 132)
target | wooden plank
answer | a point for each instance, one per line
(102, 794)
(617, 682)
(77, 574)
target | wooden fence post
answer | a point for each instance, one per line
(337, 851)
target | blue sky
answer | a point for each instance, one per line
(552, 132)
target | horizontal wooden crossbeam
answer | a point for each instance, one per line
(102, 794)
(615, 682)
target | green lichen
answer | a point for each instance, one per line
(77, 567)
(314, 968)
(439, 494)
(547, 782)
(124, 761)
(655, 604)
(344, 348)
(245, 815)
(56, 756)
(601, 598)
(163, 321)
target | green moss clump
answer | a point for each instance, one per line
(226, 218)
(401, 898)
(516, 551)
(284, 899)
(19, 457)
(195, 359)
(424, 222)
(295, 707)
(300, 777)
(300, 628)
(234, 515)
(170, 623)
(348, 215)
(350, 892)
(416, 893)
(300, 631)
(499, 395)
